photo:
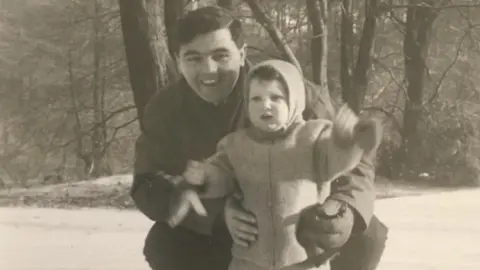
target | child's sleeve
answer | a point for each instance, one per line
(333, 159)
(219, 173)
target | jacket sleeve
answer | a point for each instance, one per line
(335, 160)
(220, 174)
(151, 190)
(353, 185)
(357, 188)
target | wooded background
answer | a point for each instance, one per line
(75, 75)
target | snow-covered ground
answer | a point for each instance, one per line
(435, 231)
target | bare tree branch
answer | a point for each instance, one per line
(388, 7)
(269, 54)
(400, 85)
(389, 114)
(273, 31)
(450, 66)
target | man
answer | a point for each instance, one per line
(187, 120)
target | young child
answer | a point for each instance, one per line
(281, 164)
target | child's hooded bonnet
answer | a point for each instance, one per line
(294, 87)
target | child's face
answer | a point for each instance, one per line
(267, 105)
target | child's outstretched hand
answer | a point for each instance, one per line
(344, 126)
(368, 134)
(348, 130)
(195, 173)
(352, 138)
(187, 197)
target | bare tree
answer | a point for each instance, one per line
(418, 30)
(273, 31)
(353, 75)
(317, 11)
(143, 50)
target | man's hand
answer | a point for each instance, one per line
(241, 224)
(325, 227)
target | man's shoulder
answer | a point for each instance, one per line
(162, 106)
(319, 104)
(165, 99)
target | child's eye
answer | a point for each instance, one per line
(277, 98)
(255, 98)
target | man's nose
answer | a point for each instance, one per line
(209, 65)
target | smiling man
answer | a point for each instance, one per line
(186, 121)
(211, 69)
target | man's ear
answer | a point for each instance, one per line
(243, 53)
(178, 63)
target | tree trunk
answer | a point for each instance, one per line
(354, 76)
(346, 53)
(360, 74)
(142, 50)
(419, 23)
(172, 11)
(99, 129)
(317, 11)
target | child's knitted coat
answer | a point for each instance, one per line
(278, 177)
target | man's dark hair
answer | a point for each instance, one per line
(204, 20)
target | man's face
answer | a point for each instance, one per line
(211, 64)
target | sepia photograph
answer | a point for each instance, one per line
(239, 134)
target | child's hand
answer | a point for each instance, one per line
(344, 126)
(181, 204)
(348, 129)
(352, 138)
(195, 173)
(368, 134)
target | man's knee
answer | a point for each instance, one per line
(377, 231)
(363, 251)
(156, 248)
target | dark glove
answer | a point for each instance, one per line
(325, 227)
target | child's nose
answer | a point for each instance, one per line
(267, 103)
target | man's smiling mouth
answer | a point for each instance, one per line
(209, 82)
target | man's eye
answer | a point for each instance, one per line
(194, 59)
(221, 56)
